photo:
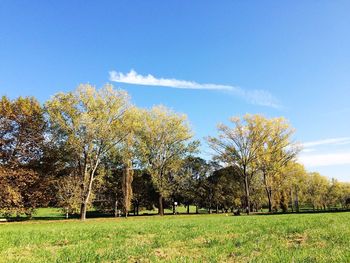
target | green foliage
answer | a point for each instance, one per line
(94, 144)
(162, 144)
(90, 123)
(226, 188)
(69, 194)
(240, 146)
(189, 185)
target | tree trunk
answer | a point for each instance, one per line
(83, 208)
(296, 201)
(197, 212)
(87, 194)
(126, 186)
(269, 197)
(217, 209)
(268, 192)
(116, 207)
(291, 200)
(188, 209)
(160, 208)
(246, 188)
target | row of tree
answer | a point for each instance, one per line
(94, 148)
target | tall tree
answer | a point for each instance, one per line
(22, 127)
(128, 153)
(275, 153)
(295, 180)
(128, 174)
(90, 122)
(334, 194)
(317, 188)
(163, 142)
(239, 146)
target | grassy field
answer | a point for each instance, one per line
(182, 238)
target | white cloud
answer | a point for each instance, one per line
(329, 156)
(326, 152)
(308, 150)
(331, 141)
(258, 97)
(326, 159)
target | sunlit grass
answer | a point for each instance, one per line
(210, 238)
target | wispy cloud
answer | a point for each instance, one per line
(308, 150)
(326, 159)
(331, 141)
(258, 97)
(326, 152)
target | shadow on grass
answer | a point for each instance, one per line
(96, 214)
(302, 212)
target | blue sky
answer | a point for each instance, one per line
(289, 58)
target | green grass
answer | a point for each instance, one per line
(182, 238)
(49, 212)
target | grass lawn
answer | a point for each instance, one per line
(182, 238)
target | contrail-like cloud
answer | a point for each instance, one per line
(325, 159)
(331, 141)
(326, 152)
(258, 97)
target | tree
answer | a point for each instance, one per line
(317, 188)
(90, 122)
(162, 144)
(226, 188)
(258, 198)
(22, 127)
(144, 194)
(109, 195)
(334, 194)
(128, 155)
(194, 171)
(119, 165)
(128, 174)
(69, 194)
(345, 194)
(295, 182)
(275, 153)
(239, 146)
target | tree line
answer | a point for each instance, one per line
(93, 148)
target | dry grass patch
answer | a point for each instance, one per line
(296, 239)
